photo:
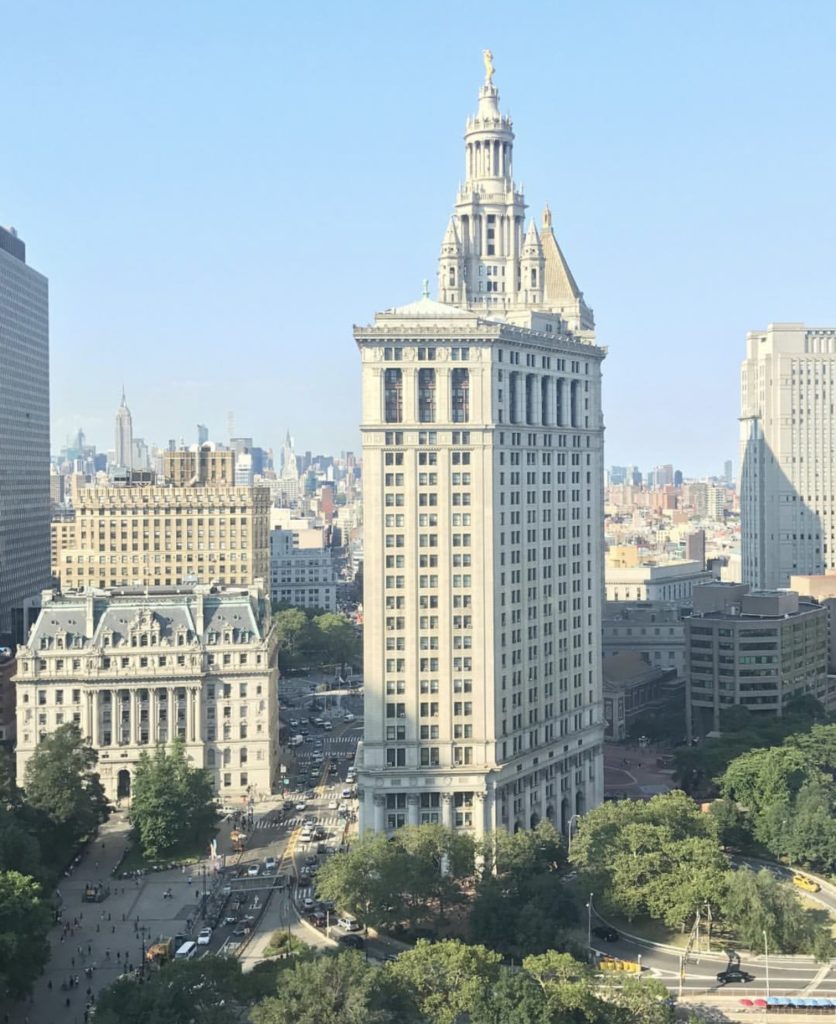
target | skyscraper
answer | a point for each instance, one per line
(788, 478)
(24, 435)
(482, 462)
(124, 436)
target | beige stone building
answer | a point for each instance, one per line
(482, 488)
(200, 464)
(163, 536)
(136, 668)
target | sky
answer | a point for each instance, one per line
(219, 191)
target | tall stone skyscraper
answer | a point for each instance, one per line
(787, 451)
(483, 561)
(123, 436)
(24, 436)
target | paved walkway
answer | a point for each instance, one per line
(103, 937)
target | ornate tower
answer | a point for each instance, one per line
(488, 261)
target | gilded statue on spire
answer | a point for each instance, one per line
(487, 57)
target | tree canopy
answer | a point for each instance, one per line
(25, 920)
(61, 785)
(172, 806)
(661, 857)
(307, 639)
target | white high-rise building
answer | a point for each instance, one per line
(482, 478)
(124, 436)
(787, 452)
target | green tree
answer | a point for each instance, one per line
(406, 877)
(811, 836)
(445, 979)
(61, 784)
(25, 919)
(333, 989)
(756, 902)
(172, 805)
(661, 858)
(336, 640)
(205, 991)
(294, 635)
(515, 999)
(643, 1000)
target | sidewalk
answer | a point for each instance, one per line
(103, 937)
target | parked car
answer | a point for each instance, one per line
(309, 903)
(352, 941)
(270, 864)
(253, 870)
(349, 923)
(603, 931)
(204, 936)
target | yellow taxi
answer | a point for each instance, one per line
(805, 883)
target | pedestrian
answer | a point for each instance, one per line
(49, 984)
(68, 1002)
(118, 955)
(107, 954)
(108, 915)
(89, 949)
(113, 929)
(98, 928)
(72, 961)
(123, 917)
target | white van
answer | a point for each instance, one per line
(186, 951)
(348, 923)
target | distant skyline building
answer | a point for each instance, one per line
(123, 436)
(787, 454)
(24, 436)
(483, 512)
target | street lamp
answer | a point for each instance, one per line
(589, 921)
(766, 955)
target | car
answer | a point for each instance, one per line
(352, 941)
(303, 721)
(241, 931)
(734, 974)
(328, 726)
(319, 918)
(270, 864)
(333, 805)
(309, 820)
(253, 870)
(230, 919)
(204, 936)
(805, 883)
(349, 717)
(301, 806)
(311, 861)
(294, 722)
(603, 931)
(349, 923)
(309, 903)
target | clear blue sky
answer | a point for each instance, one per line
(218, 191)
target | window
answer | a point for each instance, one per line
(460, 395)
(429, 757)
(426, 396)
(395, 757)
(393, 396)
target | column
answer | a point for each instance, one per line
(96, 731)
(479, 815)
(190, 715)
(133, 731)
(153, 711)
(447, 810)
(379, 806)
(171, 714)
(412, 809)
(198, 714)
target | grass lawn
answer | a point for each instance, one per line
(135, 861)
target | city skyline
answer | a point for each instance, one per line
(169, 234)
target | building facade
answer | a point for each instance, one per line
(163, 536)
(662, 581)
(201, 464)
(137, 669)
(653, 629)
(757, 649)
(302, 576)
(787, 454)
(482, 476)
(24, 436)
